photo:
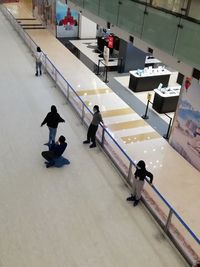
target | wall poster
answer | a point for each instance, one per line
(66, 20)
(185, 136)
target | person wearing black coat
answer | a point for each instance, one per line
(138, 182)
(52, 120)
(55, 151)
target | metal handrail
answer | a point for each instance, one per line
(171, 209)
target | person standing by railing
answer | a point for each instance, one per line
(138, 182)
(38, 57)
(91, 134)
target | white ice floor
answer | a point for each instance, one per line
(73, 216)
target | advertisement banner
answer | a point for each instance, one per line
(185, 136)
(110, 41)
(66, 21)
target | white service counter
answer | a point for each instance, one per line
(166, 99)
(151, 61)
(148, 79)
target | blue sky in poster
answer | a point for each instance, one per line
(192, 95)
(61, 10)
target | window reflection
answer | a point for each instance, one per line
(194, 10)
(172, 5)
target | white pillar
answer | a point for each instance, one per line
(87, 28)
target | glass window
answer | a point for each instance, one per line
(194, 11)
(172, 5)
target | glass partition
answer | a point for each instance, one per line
(154, 26)
(78, 2)
(183, 237)
(172, 5)
(160, 29)
(131, 17)
(155, 204)
(116, 153)
(188, 43)
(92, 6)
(109, 10)
(194, 10)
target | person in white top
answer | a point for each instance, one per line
(38, 57)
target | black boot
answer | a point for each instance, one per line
(86, 142)
(36, 74)
(40, 72)
(49, 164)
(131, 198)
(135, 203)
(93, 145)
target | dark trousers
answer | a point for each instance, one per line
(49, 156)
(91, 134)
(39, 67)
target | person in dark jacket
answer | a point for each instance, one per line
(138, 182)
(52, 119)
(91, 134)
(55, 151)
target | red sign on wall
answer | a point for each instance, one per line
(110, 41)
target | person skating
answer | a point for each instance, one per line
(52, 120)
(38, 58)
(91, 134)
(138, 182)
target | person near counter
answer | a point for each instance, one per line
(91, 134)
(138, 182)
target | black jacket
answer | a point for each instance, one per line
(58, 149)
(142, 173)
(52, 119)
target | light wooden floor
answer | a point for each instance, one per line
(73, 216)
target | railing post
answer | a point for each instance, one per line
(106, 79)
(98, 67)
(45, 63)
(103, 137)
(166, 136)
(68, 92)
(130, 171)
(168, 220)
(83, 113)
(145, 116)
(55, 77)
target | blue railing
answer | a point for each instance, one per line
(68, 90)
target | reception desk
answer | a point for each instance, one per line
(166, 99)
(148, 81)
(150, 61)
